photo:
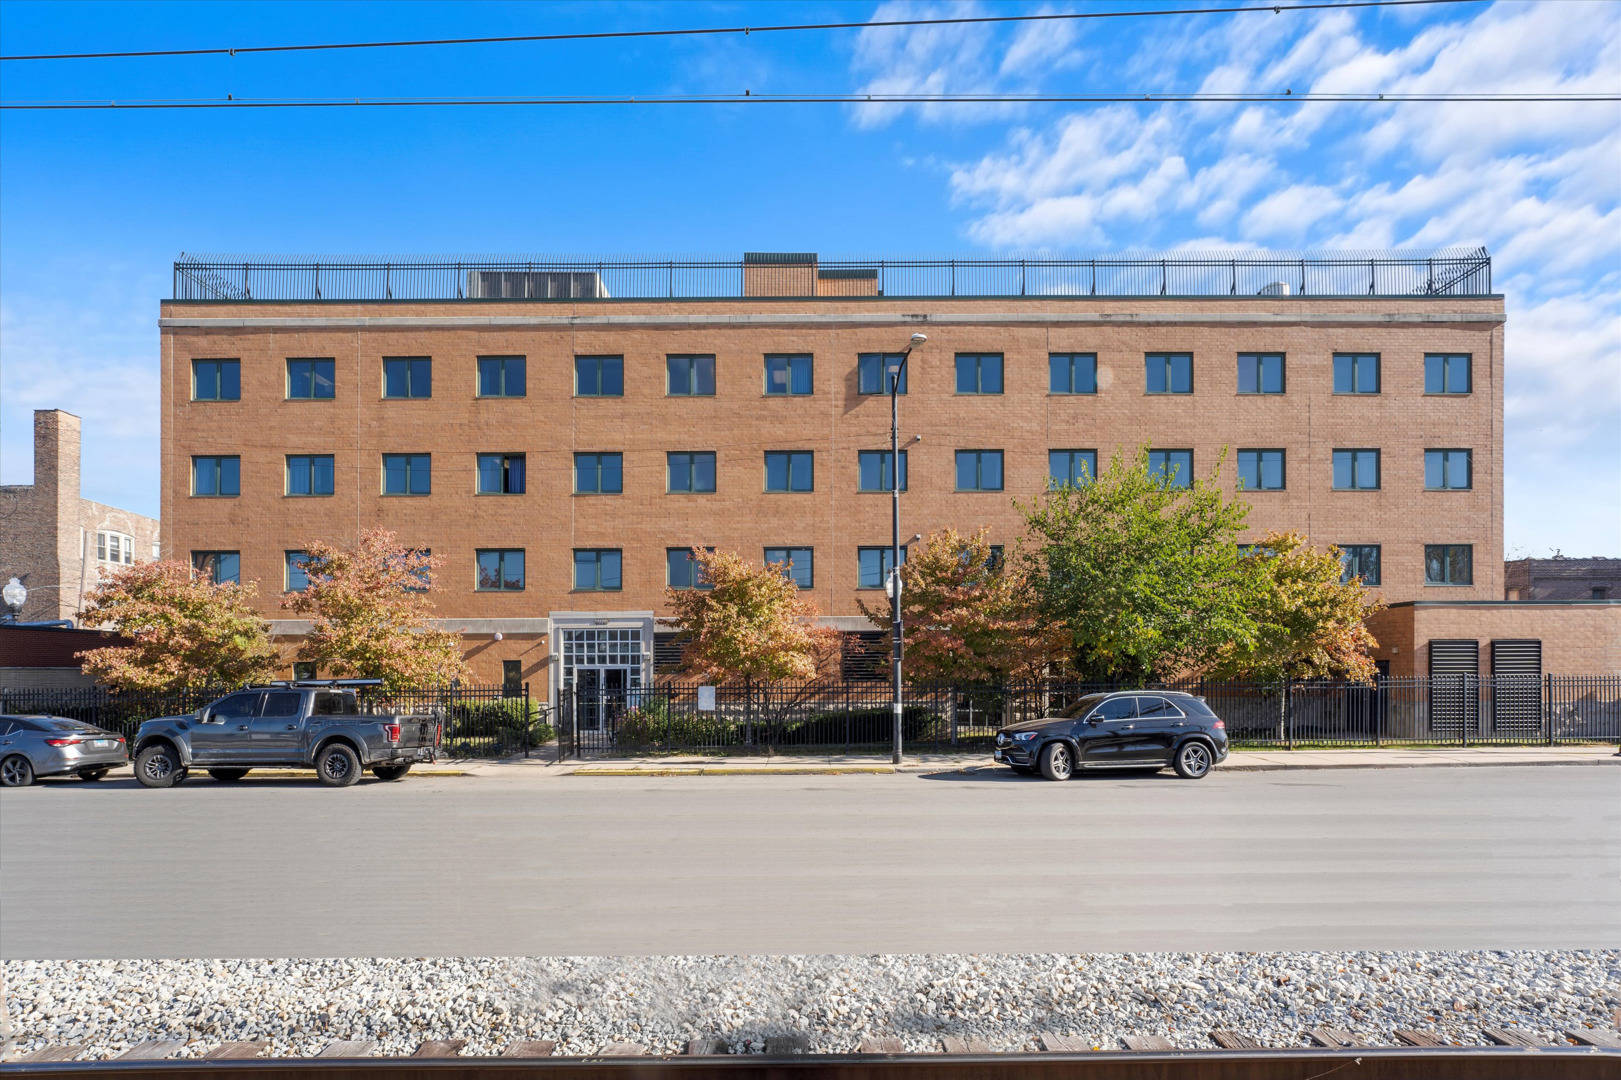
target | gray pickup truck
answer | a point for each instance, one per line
(316, 725)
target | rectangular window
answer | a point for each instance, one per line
(599, 474)
(788, 374)
(1359, 561)
(1169, 373)
(790, 470)
(501, 474)
(979, 373)
(297, 578)
(218, 566)
(311, 379)
(1072, 373)
(502, 376)
(802, 570)
(599, 376)
(682, 570)
(421, 572)
(407, 377)
(1449, 564)
(875, 469)
(979, 470)
(1075, 468)
(216, 380)
(874, 370)
(1260, 373)
(115, 547)
(216, 477)
(597, 569)
(691, 376)
(407, 474)
(1356, 470)
(1173, 468)
(873, 566)
(1260, 470)
(500, 569)
(1446, 373)
(309, 474)
(691, 473)
(1447, 470)
(1356, 373)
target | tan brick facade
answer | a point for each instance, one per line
(1578, 637)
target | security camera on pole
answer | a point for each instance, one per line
(893, 585)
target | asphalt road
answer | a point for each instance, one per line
(1397, 858)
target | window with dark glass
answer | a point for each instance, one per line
(1260, 470)
(216, 380)
(875, 470)
(1356, 373)
(502, 376)
(1447, 470)
(1359, 561)
(1449, 564)
(1260, 373)
(407, 377)
(682, 570)
(789, 375)
(599, 474)
(802, 570)
(311, 379)
(1446, 373)
(501, 474)
(407, 474)
(1073, 467)
(500, 569)
(1172, 468)
(218, 566)
(216, 477)
(599, 376)
(1168, 373)
(790, 470)
(1356, 470)
(873, 565)
(979, 373)
(874, 370)
(691, 376)
(597, 569)
(309, 474)
(1072, 373)
(691, 472)
(298, 578)
(979, 470)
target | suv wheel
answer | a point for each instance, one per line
(338, 765)
(1057, 761)
(1193, 760)
(158, 767)
(16, 771)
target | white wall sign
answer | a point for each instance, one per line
(706, 699)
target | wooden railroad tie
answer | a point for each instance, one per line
(622, 1049)
(55, 1052)
(232, 1051)
(150, 1051)
(1336, 1039)
(1147, 1042)
(1409, 1037)
(706, 1046)
(348, 1048)
(1607, 1040)
(529, 1048)
(881, 1044)
(1508, 1036)
(953, 1045)
(1234, 1040)
(440, 1048)
(1062, 1044)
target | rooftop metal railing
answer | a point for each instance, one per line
(1442, 272)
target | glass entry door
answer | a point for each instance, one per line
(601, 695)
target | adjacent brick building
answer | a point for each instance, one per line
(1561, 578)
(560, 432)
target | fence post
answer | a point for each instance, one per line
(1547, 705)
(1288, 719)
(525, 719)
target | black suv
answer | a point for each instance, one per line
(1128, 729)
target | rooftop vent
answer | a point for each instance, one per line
(1277, 288)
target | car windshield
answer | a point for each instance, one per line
(1082, 707)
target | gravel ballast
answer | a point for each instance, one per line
(584, 1003)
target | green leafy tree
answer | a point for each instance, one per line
(967, 615)
(750, 625)
(1144, 579)
(186, 630)
(368, 606)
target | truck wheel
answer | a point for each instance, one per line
(337, 765)
(226, 776)
(158, 767)
(390, 772)
(16, 771)
(92, 775)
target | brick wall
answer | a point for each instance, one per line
(1578, 638)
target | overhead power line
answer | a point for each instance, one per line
(743, 30)
(1285, 97)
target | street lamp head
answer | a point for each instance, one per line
(918, 339)
(15, 594)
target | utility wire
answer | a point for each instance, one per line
(744, 30)
(1284, 97)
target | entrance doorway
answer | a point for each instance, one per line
(601, 678)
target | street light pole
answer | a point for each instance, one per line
(894, 583)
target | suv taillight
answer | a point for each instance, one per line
(392, 731)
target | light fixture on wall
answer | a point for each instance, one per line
(15, 594)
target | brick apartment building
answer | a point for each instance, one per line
(562, 432)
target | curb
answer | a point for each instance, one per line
(738, 770)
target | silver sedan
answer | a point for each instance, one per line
(33, 746)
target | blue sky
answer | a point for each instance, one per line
(95, 205)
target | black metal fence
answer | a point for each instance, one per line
(479, 721)
(833, 716)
